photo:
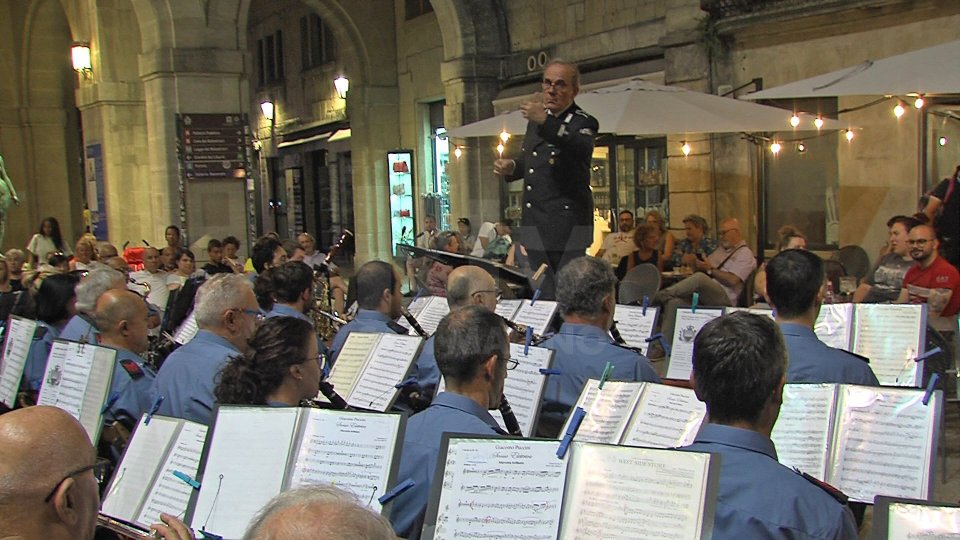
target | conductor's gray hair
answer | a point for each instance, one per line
(99, 280)
(319, 511)
(220, 293)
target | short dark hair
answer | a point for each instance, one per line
(53, 295)
(262, 252)
(214, 243)
(622, 212)
(738, 362)
(698, 221)
(794, 277)
(289, 280)
(372, 279)
(582, 284)
(232, 240)
(908, 222)
(290, 246)
(465, 338)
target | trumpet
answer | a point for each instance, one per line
(124, 530)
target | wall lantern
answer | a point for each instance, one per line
(80, 52)
(342, 84)
(267, 108)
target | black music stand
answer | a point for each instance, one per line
(518, 280)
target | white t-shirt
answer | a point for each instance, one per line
(40, 245)
(617, 246)
(487, 230)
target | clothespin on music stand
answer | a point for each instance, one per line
(575, 422)
(114, 396)
(408, 381)
(527, 341)
(206, 535)
(153, 409)
(397, 490)
(646, 303)
(931, 387)
(663, 342)
(696, 300)
(607, 369)
(536, 296)
(186, 479)
(549, 371)
(928, 354)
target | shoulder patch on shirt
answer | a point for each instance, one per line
(132, 368)
(587, 131)
(840, 496)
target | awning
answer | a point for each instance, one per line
(305, 140)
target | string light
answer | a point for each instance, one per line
(504, 136)
(500, 149)
(775, 147)
(942, 141)
(918, 103)
(685, 148)
(818, 122)
(899, 110)
(801, 148)
(849, 134)
(794, 120)
(457, 152)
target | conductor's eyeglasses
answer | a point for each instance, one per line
(559, 84)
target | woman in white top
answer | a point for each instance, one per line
(47, 240)
(85, 253)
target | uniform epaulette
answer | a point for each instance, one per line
(40, 333)
(397, 327)
(840, 496)
(583, 113)
(857, 356)
(132, 368)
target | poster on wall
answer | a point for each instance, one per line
(95, 214)
(212, 146)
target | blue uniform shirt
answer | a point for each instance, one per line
(449, 413)
(582, 352)
(758, 498)
(367, 320)
(80, 328)
(188, 377)
(280, 310)
(131, 384)
(813, 361)
(36, 363)
(428, 372)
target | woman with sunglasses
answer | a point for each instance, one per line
(281, 370)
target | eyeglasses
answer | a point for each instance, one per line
(497, 292)
(99, 468)
(920, 242)
(560, 84)
(257, 315)
(723, 233)
(512, 364)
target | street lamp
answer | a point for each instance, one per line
(342, 84)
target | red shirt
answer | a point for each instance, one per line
(938, 286)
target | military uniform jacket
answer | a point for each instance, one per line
(813, 361)
(555, 168)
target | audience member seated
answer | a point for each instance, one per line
(739, 369)
(216, 264)
(467, 238)
(883, 283)
(55, 303)
(620, 244)
(294, 251)
(796, 286)
(586, 294)
(49, 476)
(718, 279)
(438, 272)
(186, 266)
(154, 278)
(485, 234)
(15, 260)
(379, 299)
(311, 255)
(644, 239)
(498, 246)
(788, 237)
(47, 240)
(231, 245)
(227, 315)
(932, 280)
(84, 254)
(82, 326)
(281, 369)
(696, 245)
(474, 355)
(312, 512)
(667, 242)
(8, 295)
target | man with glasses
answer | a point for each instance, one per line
(933, 280)
(557, 224)
(49, 474)
(474, 355)
(227, 314)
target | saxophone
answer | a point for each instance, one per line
(324, 311)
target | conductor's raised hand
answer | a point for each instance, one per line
(504, 167)
(534, 110)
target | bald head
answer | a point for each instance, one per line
(468, 285)
(121, 317)
(318, 512)
(730, 234)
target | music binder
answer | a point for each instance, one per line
(370, 366)
(488, 487)
(890, 335)
(144, 483)
(638, 414)
(428, 310)
(254, 453)
(864, 440)
(537, 315)
(16, 347)
(77, 380)
(895, 518)
(635, 326)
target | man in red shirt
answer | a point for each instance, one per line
(933, 280)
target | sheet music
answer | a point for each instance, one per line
(169, 494)
(884, 443)
(686, 328)
(98, 388)
(618, 492)
(803, 432)
(665, 417)
(15, 349)
(891, 336)
(389, 362)
(500, 489)
(76, 380)
(236, 484)
(608, 410)
(188, 330)
(507, 308)
(834, 325)
(351, 359)
(524, 385)
(922, 521)
(414, 308)
(435, 309)
(756, 311)
(634, 326)
(353, 451)
(537, 316)
(136, 471)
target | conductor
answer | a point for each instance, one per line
(557, 224)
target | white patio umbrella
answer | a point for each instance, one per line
(638, 107)
(934, 70)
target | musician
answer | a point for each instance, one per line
(48, 479)
(739, 369)
(796, 286)
(267, 252)
(466, 286)
(281, 369)
(227, 315)
(55, 302)
(101, 279)
(474, 355)
(318, 511)
(586, 294)
(379, 298)
(122, 321)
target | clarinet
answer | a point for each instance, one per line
(332, 317)
(509, 418)
(519, 332)
(328, 392)
(615, 333)
(414, 323)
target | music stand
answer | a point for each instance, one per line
(516, 278)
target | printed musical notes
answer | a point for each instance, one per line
(369, 367)
(428, 311)
(507, 308)
(834, 325)
(169, 494)
(920, 520)
(634, 326)
(608, 410)
(524, 385)
(77, 380)
(537, 316)
(804, 428)
(16, 346)
(687, 325)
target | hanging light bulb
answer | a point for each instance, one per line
(801, 148)
(899, 110)
(849, 134)
(918, 103)
(685, 148)
(775, 147)
(818, 122)
(794, 120)
(457, 152)
(500, 149)
(942, 141)
(504, 136)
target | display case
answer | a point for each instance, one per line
(400, 182)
